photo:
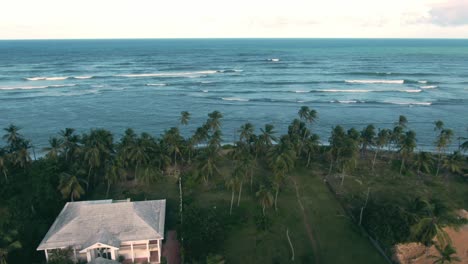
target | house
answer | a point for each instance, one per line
(106, 230)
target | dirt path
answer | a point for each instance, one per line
(307, 226)
(171, 248)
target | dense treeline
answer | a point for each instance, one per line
(76, 165)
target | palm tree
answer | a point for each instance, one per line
(98, 148)
(281, 160)
(184, 117)
(13, 137)
(407, 146)
(336, 141)
(174, 142)
(245, 132)
(402, 121)
(311, 144)
(8, 243)
(446, 254)
(21, 157)
(265, 198)
(138, 153)
(267, 136)
(3, 166)
(214, 120)
(423, 162)
(207, 164)
(69, 142)
(112, 174)
(53, 151)
(232, 183)
(367, 137)
(454, 163)
(382, 140)
(443, 141)
(70, 186)
(307, 114)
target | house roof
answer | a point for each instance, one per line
(82, 224)
(100, 260)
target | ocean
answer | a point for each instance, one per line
(48, 85)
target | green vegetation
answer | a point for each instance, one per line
(269, 198)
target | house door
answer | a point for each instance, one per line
(104, 253)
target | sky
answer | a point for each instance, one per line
(72, 19)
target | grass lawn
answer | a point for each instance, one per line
(332, 237)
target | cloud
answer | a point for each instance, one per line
(449, 13)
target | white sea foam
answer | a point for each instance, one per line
(428, 87)
(274, 59)
(206, 82)
(36, 87)
(156, 84)
(46, 78)
(168, 74)
(366, 91)
(422, 81)
(205, 91)
(347, 101)
(83, 77)
(409, 103)
(234, 99)
(376, 81)
(301, 91)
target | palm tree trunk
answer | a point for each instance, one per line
(180, 199)
(6, 176)
(276, 197)
(240, 193)
(402, 164)
(136, 172)
(89, 176)
(232, 201)
(308, 160)
(342, 176)
(71, 196)
(438, 163)
(175, 159)
(375, 157)
(263, 209)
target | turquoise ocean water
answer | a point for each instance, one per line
(48, 85)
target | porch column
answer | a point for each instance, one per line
(113, 253)
(74, 255)
(133, 256)
(46, 255)
(147, 250)
(159, 250)
(88, 255)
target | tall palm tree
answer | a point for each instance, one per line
(311, 145)
(98, 148)
(70, 186)
(53, 151)
(265, 198)
(13, 137)
(112, 174)
(139, 153)
(443, 141)
(70, 142)
(307, 114)
(3, 166)
(402, 121)
(8, 243)
(232, 183)
(174, 143)
(214, 120)
(367, 138)
(21, 157)
(184, 117)
(382, 139)
(336, 141)
(281, 160)
(446, 254)
(207, 164)
(246, 131)
(407, 146)
(267, 136)
(454, 163)
(423, 162)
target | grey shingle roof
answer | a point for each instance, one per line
(81, 224)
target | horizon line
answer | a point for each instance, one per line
(234, 38)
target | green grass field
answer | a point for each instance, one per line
(323, 234)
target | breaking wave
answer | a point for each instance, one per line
(376, 81)
(234, 99)
(168, 74)
(36, 87)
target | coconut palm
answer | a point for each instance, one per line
(307, 114)
(8, 243)
(367, 138)
(407, 146)
(13, 137)
(69, 142)
(21, 157)
(245, 132)
(174, 141)
(454, 163)
(70, 186)
(98, 148)
(446, 254)
(53, 151)
(383, 138)
(402, 121)
(265, 198)
(336, 141)
(139, 152)
(214, 120)
(232, 183)
(112, 174)
(184, 117)
(3, 166)
(311, 145)
(267, 136)
(207, 164)
(443, 141)
(423, 162)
